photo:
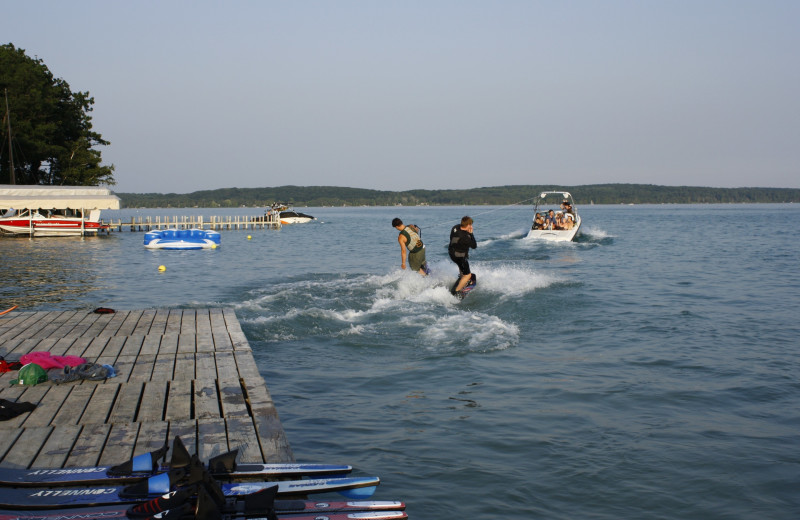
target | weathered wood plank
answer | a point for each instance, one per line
(154, 399)
(169, 344)
(179, 402)
(246, 365)
(27, 447)
(188, 322)
(184, 366)
(164, 367)
(145, 322)
(127, 326)
(127, 403)
(232, 398)
(152, 436)
(142, 368)
(226, 367)
(151, 344)
(119, 444)
(114, 324)
(22, 394)
(159, 325)
(101, 403)
(48, 407)
(242, 435)
(174, 322)
(7, 440)
(57, 447)
(206, 400)
(187, 343)
(213, 438)
(235, 330)
(187, 431)
(205, 366)
(74, 404)
(88, 446)
(90, 348)
(54, 324)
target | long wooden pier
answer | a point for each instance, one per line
(186, 372)
(150, 223)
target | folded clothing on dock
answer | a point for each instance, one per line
(48, 361)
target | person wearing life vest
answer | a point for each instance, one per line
(411, 246)
(461, 241)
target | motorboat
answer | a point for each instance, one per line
(291, 216)
(555, 217)
(54, 210)
(182, 239)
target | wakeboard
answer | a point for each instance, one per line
(466, 290)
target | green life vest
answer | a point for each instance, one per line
(413, 241)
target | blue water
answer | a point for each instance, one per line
(649, 370)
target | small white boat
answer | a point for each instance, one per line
(294, 217)
(555, 217)
(182, 239)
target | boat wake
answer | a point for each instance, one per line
(396, 309)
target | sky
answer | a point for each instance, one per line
(429, 94)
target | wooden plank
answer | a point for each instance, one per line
(231, 396)
(179, 401)
(145, 321)
(246, 365)
(74, 404)
(164, 367)
(242, 435)
(187, 343)
(127, 403)
(169, 344)
(70, 324)
(184, 366)
(187, 431)
(25, 327)
(48, 407)
(54, 322)
(174, 322)
(114, 324)
(7, 440)
(82, 327)
(235, 330)
(112, 350)
(131, 320)
(42, 319)
(206, 400)
(57, 447)
(205, 339)
(188, 322)
(214, 439)
(226, 367)
(142, 369)
(152, 436)
(205, 366)
(151, 344)
(87, 448)
(27, 447)
(119, 444)
(159, 325)
(101, 403)
(274, 445)
(96, 347)
(132, 346)
(123, 366)
(154, 398)
(64, 347)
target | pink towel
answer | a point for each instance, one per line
(46, 361)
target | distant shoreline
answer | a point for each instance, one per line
(332, 196)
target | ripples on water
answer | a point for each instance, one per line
(648, 370)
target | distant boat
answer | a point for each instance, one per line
(565, 223)
(294, 217)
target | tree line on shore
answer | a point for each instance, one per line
(316, 196)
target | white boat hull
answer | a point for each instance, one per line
(556, 235)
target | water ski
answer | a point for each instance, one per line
(463, 292)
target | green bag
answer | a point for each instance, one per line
(30, 374)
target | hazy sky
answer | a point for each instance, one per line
(429, 94)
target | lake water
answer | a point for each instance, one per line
(649, 370)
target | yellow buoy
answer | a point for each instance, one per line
(249, 237)
(213, 246)
(162, 268)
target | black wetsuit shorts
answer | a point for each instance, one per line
(462, 262)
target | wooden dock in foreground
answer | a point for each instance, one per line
(186, 372)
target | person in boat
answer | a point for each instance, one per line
(538, 221)
(566, 222)
(567, 207)
(411, 246)
(461, 241)
(550, 221)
